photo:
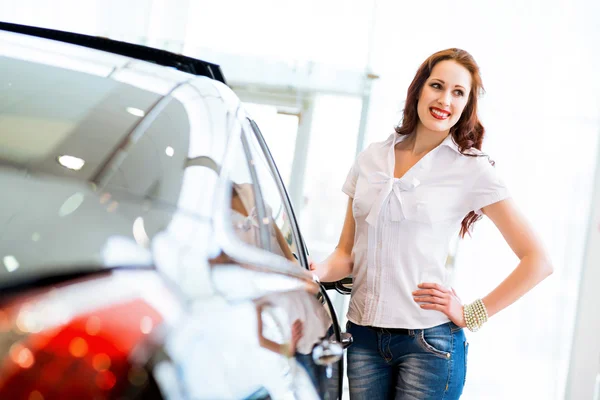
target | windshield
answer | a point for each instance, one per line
(61, 129)
(48, 112)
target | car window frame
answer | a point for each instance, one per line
(300, 244)
(225, 238)
(285, 200)
(259, 204)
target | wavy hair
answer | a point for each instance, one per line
(468, 132)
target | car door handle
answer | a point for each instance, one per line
(347, 339)
(343, 286)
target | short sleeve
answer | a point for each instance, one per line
(489, 188)
(350, 185)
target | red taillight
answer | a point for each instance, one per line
(88, 357)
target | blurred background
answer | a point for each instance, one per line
(325, 78)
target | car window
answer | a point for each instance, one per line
(177, 161)
(281, 237)
(143, 191)
(177, 158)
(245, 217)
(313, 317)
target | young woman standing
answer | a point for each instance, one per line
(408, 196)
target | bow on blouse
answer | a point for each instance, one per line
(390, 185)
(245, 223)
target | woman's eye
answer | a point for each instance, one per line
(459, 93)
(436, 86)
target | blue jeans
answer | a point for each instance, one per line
(414, 364)
(326, 387)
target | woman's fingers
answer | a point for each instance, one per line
(297, 328)
(430, 292)
(431, 299)
(436, 307)
(432, 296)
(434, 286)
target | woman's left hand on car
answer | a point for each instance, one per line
(432, 296)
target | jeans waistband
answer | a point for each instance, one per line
(396, 331)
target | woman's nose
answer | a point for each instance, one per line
(445, 98)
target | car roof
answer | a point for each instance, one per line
(135, 51)
(54, 86)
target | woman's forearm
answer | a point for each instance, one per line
(532, 269)
(335, 267)
(339, 264)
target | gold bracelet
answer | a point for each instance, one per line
(470, 317)
(475, 315)
(481, 312)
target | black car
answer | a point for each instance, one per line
(148, 247)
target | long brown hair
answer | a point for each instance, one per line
(468, 132)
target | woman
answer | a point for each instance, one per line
(408, 196)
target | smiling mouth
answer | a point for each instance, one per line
(439, 114)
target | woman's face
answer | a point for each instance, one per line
(444, 96)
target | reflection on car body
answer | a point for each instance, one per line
(168, 264)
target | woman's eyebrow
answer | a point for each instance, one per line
(443, 83)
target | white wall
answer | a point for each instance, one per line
(153, 22)
(585, 356)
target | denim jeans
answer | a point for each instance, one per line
(326, 387)
(419, 364)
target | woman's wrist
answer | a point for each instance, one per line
(475, 315)
(462, 322)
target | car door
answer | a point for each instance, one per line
(284, 238)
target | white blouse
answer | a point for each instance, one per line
(404, 227)
(247, 227)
